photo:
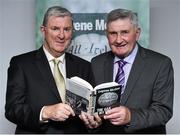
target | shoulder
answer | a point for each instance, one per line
(76, 59)
(154, 56)
(25, 57)
(103, 56)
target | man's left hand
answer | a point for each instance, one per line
(118, 115)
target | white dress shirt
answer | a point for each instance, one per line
(62, 67)
(62, 64)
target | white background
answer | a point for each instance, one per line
(17, 35)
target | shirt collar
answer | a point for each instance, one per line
(50, 57)
(130, 58)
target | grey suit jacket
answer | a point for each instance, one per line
(148, 93)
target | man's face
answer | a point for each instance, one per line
(57, 34)
(122, 36)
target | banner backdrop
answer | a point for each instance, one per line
(89, 18)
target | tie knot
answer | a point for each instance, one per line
(121, 63)
(56, 61)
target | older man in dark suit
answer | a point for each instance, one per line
(146, 76)
(34, 101)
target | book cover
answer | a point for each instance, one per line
(107, 98)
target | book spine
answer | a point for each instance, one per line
(92, 103)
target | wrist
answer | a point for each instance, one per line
(45, 114)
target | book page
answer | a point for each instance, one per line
(77, 96)
(82, 82)
(105, 85)
(78, 89)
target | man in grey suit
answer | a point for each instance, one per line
(147, 97)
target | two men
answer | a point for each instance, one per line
(33, 102)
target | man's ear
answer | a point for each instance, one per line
(138, 33)
(43, 29)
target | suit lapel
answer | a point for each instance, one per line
(69, 65)
(45, 71)
(134, 75)
(108, 68)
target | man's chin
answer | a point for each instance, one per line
(120, 53)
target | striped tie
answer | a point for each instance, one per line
(120, 76)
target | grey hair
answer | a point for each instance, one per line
(122, 14)
(57, 11)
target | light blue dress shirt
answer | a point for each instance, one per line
(127, 68)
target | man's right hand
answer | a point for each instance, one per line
(57, 112)
(91, 121)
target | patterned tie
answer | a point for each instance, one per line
(59, 79)
(120, 76)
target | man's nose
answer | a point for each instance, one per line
(119, 38)
(61, 34)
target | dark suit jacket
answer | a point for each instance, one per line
(148, 93)
(31, 86)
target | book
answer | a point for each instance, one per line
(81, 96)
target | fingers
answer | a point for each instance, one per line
(69, 109)
(118, 115)
(90, 121)
(113, 110)
(111, 114)
(84, 117)
(60, 116)
(98, 119)
(57, 112)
